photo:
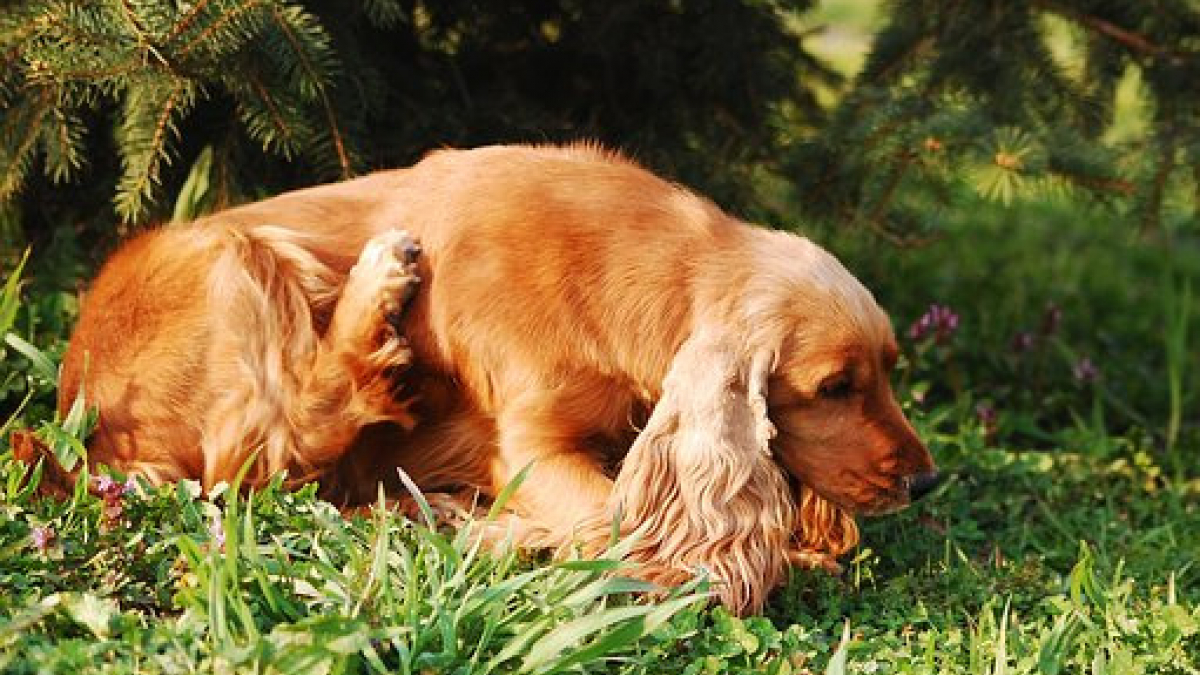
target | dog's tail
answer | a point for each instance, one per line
(268, 292)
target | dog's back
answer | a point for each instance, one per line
(542, 268)
(138, 351)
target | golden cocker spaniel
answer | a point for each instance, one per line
(717, 389)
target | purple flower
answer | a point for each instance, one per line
(112, 493)
(105, 484)
(111, 489)
(42, 538)
(1051, 319)
(1086, 372)
(939, 321)
(988, 418)
(217, 530)
(987, 414)
(1022, 342)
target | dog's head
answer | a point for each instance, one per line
(787, 364)
(839, 429)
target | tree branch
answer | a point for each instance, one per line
(1130, 39)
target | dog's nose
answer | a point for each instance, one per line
(922, 484)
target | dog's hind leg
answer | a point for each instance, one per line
(296, 398)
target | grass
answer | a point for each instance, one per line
(1024, 562)
(1064, 540)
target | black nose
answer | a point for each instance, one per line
(922, 484)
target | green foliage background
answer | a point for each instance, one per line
(1007, 98)
(1031, 165)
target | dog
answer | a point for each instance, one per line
(715, 390)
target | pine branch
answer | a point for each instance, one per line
(185, 22)
(282, 133)
(61, 145)
(18, 36)
(143, 153)
(16, 155)
(1117, 186)
(219, 24)
(874, 219)
(315, 77)
(1156, 190)
(131, 16)
(1130, 39)
(899, 168)
(384, 13)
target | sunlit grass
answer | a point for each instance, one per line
(1063, 541)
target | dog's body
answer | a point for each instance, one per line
(564, 294)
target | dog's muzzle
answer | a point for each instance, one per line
(922, 484)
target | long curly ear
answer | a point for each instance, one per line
(824, 531)
(699, 486)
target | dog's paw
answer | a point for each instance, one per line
(388, 267)
(379, 287)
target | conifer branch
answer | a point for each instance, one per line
(1107, 184)
(62, 157)
(274, 114)
(142, 159)
(131, 16)
(12, 175)
(1130, 39)
(874, 220)
(899, 168)
(186, 21)
(327, 107)
(1152, 212)
(19, 36)
(220, 23)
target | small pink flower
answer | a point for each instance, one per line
(1085, 371)
(42, 538)
(987, 414)
(938, 321)
(1022, 342)
(105, 485)
(112, 493)
(217, 530)
(989, 418)
(111, 489)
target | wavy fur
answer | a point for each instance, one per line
(567, 298)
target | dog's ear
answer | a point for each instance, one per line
(29, 450)
(700, 486)
(825, 530)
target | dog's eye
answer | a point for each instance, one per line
(838, 386)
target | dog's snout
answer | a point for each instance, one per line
(922, 484)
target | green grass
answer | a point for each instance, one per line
(1091, 562)
(1064, 540)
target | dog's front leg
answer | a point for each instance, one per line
(565, 486)
(298, 400)
(352, 381)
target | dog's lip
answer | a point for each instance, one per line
(888, 502)
(884, 508)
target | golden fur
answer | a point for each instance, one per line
(567, 299)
